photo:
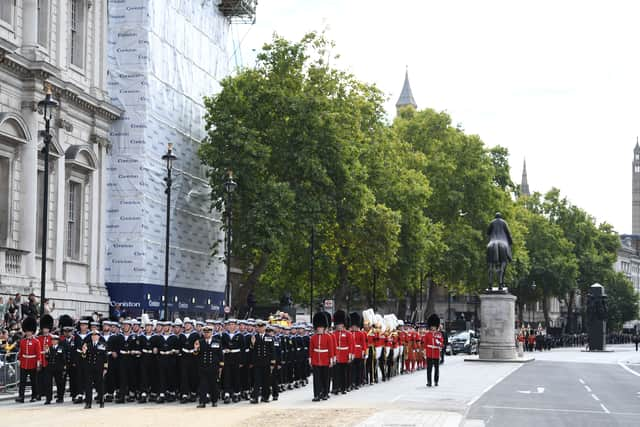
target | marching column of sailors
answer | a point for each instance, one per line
(190, 361)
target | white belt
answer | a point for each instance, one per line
(166, 353)
(147, 351)
(124, 352)
(299, 348)
(358, 346)
(185, 350)
(235, 350)
(247, 350)
(342, 348)
(433, 346)
(321, 350)
(29, 356)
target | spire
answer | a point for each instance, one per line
(524, 185)
(406, 96)
(637, 148)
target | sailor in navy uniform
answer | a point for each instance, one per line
(95, 355)
(263, 358)
(208, 351)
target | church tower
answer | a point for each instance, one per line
(524, 185)
(406, 96)
(635, 210)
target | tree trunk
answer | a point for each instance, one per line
(429, 297)
(342, 290)
(520, 311)
(241, 290)
(571, 303)
(413, 305)
(402, 308)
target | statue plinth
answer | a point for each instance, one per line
(497, 334)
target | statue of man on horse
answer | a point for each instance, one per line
(498, 249)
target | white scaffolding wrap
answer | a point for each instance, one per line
(164, 57)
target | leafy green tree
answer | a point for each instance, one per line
(622, 300)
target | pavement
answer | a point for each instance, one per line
(562, 387)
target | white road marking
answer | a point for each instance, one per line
(475, 399)
(595, 397)
(540, 390)
(588, 388)
(622, 365)
(604, 408)
(581, 381)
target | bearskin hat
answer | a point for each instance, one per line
(319, 320)
(29, 324)
(46, 322)
(65, 321)
(339, 317)
(433, 320)
(355, 319)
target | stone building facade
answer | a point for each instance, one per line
(61, 43)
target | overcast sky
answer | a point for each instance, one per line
(557, 82)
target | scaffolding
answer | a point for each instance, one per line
(239, 11)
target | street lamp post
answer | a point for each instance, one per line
(47, 105)
(229, 187)
(169, 158)
(311, 270)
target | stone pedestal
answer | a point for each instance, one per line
(497, 335)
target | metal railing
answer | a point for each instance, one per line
(9, 373)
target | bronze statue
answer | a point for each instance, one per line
(498, 249)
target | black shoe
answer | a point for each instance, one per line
(20, 400)
(33, 399)
(214, 404)
(325, 397)
(60, 400)
(201, 405)
(108, 398)
(47, 402)
(142, 400)
(87, 406)
(265, 400)
(184, 400)
(344, 392)
(227, 400)
(315, 399)
(436, 384)
(131, 399)
(428, 384)
(102, 404)
(120, 400)
(254, 401)
(275, 398)
(235, 399)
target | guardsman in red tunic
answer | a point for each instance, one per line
(29, 358)
(432, 342)
(344, 353)
(321, 354)
(380, 352)
(359, 350)
(44, 376)
(390, 353)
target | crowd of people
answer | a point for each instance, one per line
(140, 360)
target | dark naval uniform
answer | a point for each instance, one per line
(210, 361)
(95, 356)
(56, 364)
(233, 351)
(263, 358)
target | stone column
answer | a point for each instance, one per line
(29, 27)
(29, 197)
(497, 316)
(60, 219)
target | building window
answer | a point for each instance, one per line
(77, 32)
(74, 220)
(43, 23)
(6, 11)
(5, 165)
(636, 168)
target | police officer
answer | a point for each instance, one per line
(208, 351)
(263, 359)
(95, 355)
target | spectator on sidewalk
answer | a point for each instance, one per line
(48, 307)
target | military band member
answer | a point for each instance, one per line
(29, 359)
(233, 351)
(56, 365)
(208, 351)
(188, 362)
(78, 371)
(321, 355)
(44, 337)
(95, 355)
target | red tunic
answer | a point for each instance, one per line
(371, 338)
(321, 349)
(432, 343)
(344, 345)
(359, 344)
(30, 353)
(380, 340)
(45, 343)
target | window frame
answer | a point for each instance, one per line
(78, 183)
(10, 25)
(46, 4)
(80, 34)
(7, 156)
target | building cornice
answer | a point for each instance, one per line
(25, 69)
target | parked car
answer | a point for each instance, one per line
(464, 342)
